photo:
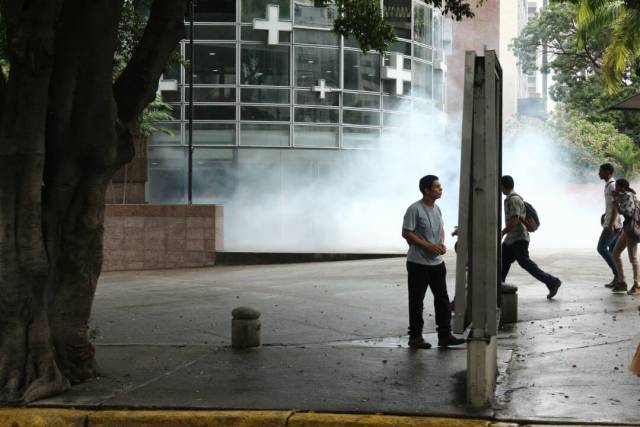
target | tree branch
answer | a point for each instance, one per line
(137, 84)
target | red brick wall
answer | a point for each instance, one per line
(145, 237)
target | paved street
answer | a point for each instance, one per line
(334, 340)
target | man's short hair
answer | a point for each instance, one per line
(607, 167)
(507, 182)
(426, 182)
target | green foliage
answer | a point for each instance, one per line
(155, 112)
(577, 71)
(590, 143)
(363, 20)
(621, 19)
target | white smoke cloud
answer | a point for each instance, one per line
(354, 201)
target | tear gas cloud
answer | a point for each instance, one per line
(354, 200)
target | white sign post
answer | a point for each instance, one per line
(323, 89)
(272, 24)
(395, 71)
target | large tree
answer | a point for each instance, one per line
(65, 127)
(577, 68)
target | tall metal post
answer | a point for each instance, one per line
(190, 106)
(545, 83)
(478, 263)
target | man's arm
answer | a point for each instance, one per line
(511, 223)
(612, 220)
(414, 239)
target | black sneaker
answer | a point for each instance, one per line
(611, 284)
(419, 342)
(619, 287)
(553, 288)
(450, 341)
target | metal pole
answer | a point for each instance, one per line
(191, 62)
(544, 71)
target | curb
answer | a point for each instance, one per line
(162, 418)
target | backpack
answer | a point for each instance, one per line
(632, 224)
(531, 220)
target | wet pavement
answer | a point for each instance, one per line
(334, 340)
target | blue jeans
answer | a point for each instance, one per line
(606, 243)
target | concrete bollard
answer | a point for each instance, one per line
(509, 308)
(245, 327)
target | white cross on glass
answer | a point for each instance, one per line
(324, 89)
(395, 71)
(272, 24)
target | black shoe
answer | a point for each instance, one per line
(419, 342)
(553, 288)
(611, 284)
(450, 341)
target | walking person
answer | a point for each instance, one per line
(611, 222)
(515, 246)
(423, 229)
(626, 203)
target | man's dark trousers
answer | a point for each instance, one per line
(519, 251)
(606, 243)
(420, 277)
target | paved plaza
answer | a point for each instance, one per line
(334, 338)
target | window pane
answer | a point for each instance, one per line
(212, 94)
(401, 47)
(267, 114)
(308, 97)
(258, 9)
(359, 137)
(315, 37)
(422, 52)
(306, 13)
(394, 103)
(175, 112)
(213, 63)
(313, 64)
(422, 24)
(361, 100)
(247, 33)
(170, 95)
(361, 72)
(317, 115)
(214, 32)
(422, 80)
(398, 14)
(271, 96)
(265, 65)
(214, 178)
(264, 135)
(172, 71)
(213, 133)
(215, 11)
(212, 112)
(355, 117)
(316, 136)
(172, 135)
(394, 120)
(167, 174)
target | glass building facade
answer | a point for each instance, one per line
(257, 119)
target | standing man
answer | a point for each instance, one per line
(423, 229)
(515, 246)
(611, 222)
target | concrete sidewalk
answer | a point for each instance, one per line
(334, 341)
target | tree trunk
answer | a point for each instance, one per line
(64, 132)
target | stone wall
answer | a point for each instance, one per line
(145, 237)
